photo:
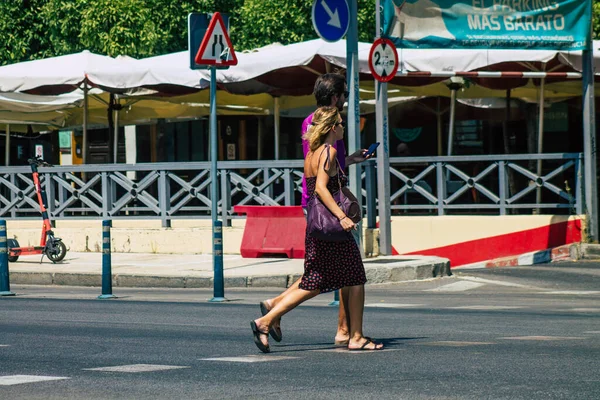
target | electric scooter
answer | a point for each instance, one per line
(50, 245)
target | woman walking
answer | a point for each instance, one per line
(328, 265)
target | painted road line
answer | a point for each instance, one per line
(135, 368)
(393, 305)
(543, 338)
(4, 345)
(498, 283)
(249, 359)
(343, 349)
(484, 307)
(575, 292)
(19, 379)
(477, 265)
(594, 310)
(451, 343)
(456, 287)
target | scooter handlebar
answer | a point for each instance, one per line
(39, 162)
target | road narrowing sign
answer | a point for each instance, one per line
(216, 47)
(383, 60)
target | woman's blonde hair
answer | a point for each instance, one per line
(322, 121)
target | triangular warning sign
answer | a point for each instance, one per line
(216, 47)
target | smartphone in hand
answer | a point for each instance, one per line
(371, 149)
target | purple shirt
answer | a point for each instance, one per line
(341, 155)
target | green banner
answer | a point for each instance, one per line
(484, 24)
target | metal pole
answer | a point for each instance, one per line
(106, 262)
(589, 140)
(7, 149)
(440, 146)
(540, 144)
(116, 132)
(85, 123)
(353, 130)
(506, 141)
(259, 141)
(4, 276)
(452, 118)
(277, 117)
(217, 226)
(383, 155)
(371, 185)
(451, 131)
(336, 298)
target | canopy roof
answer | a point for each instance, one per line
(165, 87)
(54, 75)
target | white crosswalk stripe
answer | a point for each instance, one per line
(497, 283)
(456, 287)
(344, 349)
(482, 307)
(19, 379)
(451, 343)
(543, 338)
(393, 305)
(574, 292)
(4, 345)
(134, 368)
(249, 359)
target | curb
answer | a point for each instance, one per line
(392, 271)
(568, 252)
(400, 273)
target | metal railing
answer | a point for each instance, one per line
(166, 191)
(498, 183)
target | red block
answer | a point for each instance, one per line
(273, 230)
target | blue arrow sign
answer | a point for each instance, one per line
(331, 19)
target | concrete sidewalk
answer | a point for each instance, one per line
(195, 271)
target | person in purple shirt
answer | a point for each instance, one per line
(330, 90)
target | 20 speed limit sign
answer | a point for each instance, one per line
(383, 60)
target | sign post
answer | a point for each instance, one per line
(382, 132)
(589, 138)
(215, 51)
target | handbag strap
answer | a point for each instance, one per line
(339, 169)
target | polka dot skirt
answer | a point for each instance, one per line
(331, 266)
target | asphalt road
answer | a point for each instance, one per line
(512, 333)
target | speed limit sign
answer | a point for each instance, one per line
(383, 60)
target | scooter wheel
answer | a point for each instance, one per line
(58, 257)
(12, 244)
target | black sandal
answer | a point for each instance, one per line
(256, 333)
(275, 332)
(366, 343)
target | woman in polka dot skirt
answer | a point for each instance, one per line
(328, 265)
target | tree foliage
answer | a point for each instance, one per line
(33, 29)
(22, 31)
(596, 19)
(258, 22)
